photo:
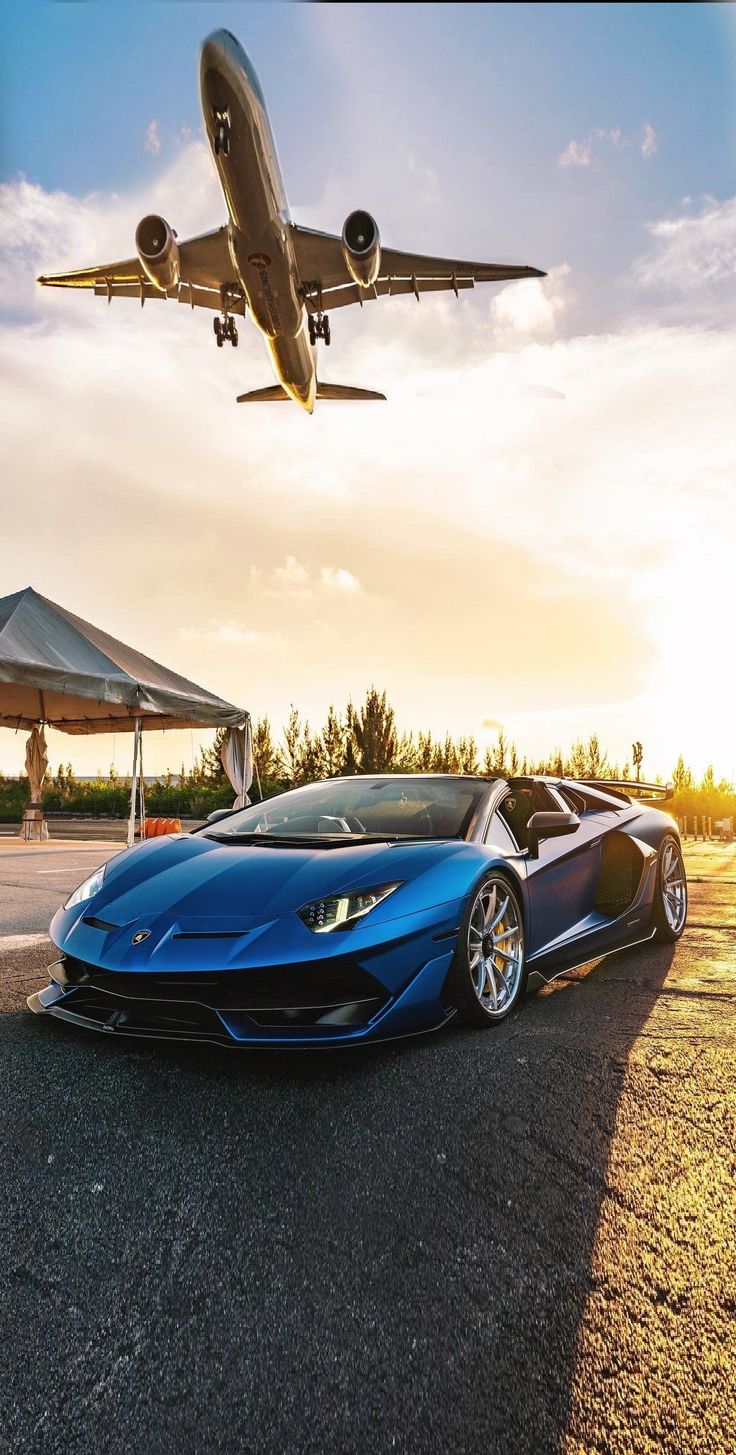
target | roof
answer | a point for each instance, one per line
(57, 668)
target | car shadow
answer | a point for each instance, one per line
(387, 1248)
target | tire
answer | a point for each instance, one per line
(484, 983)
(669, 911)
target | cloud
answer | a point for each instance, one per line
(225, 632)
(339, 579)
(293, 581)
(290, 579)
(576, 154)
(530, 309)
(582, 153)
(692, 252)
(483, 524)
(649, 142)
(153, 139)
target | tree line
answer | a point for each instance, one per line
(362, 739)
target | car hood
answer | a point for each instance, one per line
(195, 875)
(194, 900)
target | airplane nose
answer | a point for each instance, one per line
(213, 54)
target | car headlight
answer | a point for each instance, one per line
(87, 889)
(341, 911)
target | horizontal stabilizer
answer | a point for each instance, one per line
(346, 391)
(275, 394)
(263, 396)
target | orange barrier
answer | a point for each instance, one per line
(156, 826)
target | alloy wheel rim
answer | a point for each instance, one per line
(495, 948)
(674, 887)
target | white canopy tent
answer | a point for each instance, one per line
(60, 671)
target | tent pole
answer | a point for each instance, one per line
(142, 791)
(134, 784)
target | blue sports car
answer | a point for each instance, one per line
(365, 908)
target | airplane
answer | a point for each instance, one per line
(260, 262)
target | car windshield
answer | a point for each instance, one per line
(426, 808)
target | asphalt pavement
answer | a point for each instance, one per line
(514, 1240)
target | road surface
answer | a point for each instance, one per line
(515, 1240)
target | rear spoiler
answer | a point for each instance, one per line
(630, 789)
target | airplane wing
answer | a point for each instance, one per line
(206, 270)
(321, 266)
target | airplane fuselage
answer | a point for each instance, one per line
(283, 274)
(259, 235)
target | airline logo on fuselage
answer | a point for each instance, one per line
(259, 260)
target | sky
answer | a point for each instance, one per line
(537, 529)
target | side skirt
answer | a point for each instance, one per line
(536, 979)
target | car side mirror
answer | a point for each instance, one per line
(549, 824)
(218, 814)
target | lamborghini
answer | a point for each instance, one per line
(365, 908)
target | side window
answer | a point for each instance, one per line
(498, 835)
(521, 801)
(574, 801)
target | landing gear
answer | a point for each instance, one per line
(222, 134)
(225, 329)
(319, 323)
(319, 327)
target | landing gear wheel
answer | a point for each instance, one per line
(669, 911)
(319, 327)
(488, 974)
(222, 139)
(231, 332)
(217, 326)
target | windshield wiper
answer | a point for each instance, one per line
(323, 841)
(320, 841)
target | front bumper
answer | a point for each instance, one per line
(319, 1005)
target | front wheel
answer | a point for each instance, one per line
(487, 975)
(669, 911)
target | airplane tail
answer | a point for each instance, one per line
(275, 393)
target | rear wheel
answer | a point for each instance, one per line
(487, 976)
(669, 911)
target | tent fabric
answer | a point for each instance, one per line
(37, 762)
(237, 760)
(61, 670)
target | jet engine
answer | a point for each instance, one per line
(361, 246)
(158, 251)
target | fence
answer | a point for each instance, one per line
(703, 826)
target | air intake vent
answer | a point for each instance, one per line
(209, 934)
